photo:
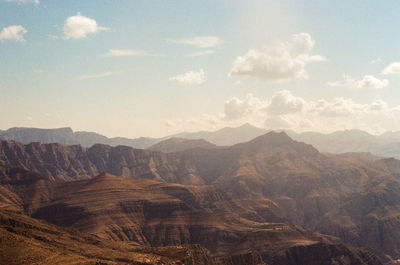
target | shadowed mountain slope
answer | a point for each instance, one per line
(24, 240)
(158, 214)
(273, 176)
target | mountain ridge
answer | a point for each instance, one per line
(274, 176)
(346, 141)
(156, 212)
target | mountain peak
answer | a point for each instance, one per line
(176, 144)
(247, 125)
(274, 137)
(277, 140)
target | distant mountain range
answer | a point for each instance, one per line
(225, 136)
(385, 145)
(67, 136)
(348, 141)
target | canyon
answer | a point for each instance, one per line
(271, 197)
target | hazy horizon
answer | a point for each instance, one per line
(146, 68)
(198, 131)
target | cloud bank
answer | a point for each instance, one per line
(281, 62)
(368, 81)
(284, 110)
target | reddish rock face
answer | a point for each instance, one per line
(273, 178)
(153, 213)
(28, 241)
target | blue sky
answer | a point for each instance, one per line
(199, 65)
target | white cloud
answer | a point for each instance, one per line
(392, 69)
(79, 27)
(200, 42)
(368, 81)
(36, 2)
(190, 78)
(281, 62)
(378, 104)
(126, 52)
(200, 53)
(236, 108)
(283, 110)
(336, 107)
(96, 76)
(14, 32)
(283, 102)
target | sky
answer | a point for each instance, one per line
(153, 68)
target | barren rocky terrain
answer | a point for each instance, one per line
(245, 197)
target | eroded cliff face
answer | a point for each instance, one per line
(321, 254)
(252, 258)
(24, 240)
(153, 213)
(273, 177)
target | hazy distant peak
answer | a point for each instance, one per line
(248, 126)
(176, 144)
(277, 138)
(18, 129)
(245, 126)
(353, 132)
(279, 142)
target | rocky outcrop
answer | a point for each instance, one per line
(24, 240)
(321, 254)
(273, 177)
(153, 213)
(252, 258)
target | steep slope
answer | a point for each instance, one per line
(152, 213)
(172, 145)
(272, 175)
(24, 240)
(311, 189)
(62, 162)
(158, 214)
